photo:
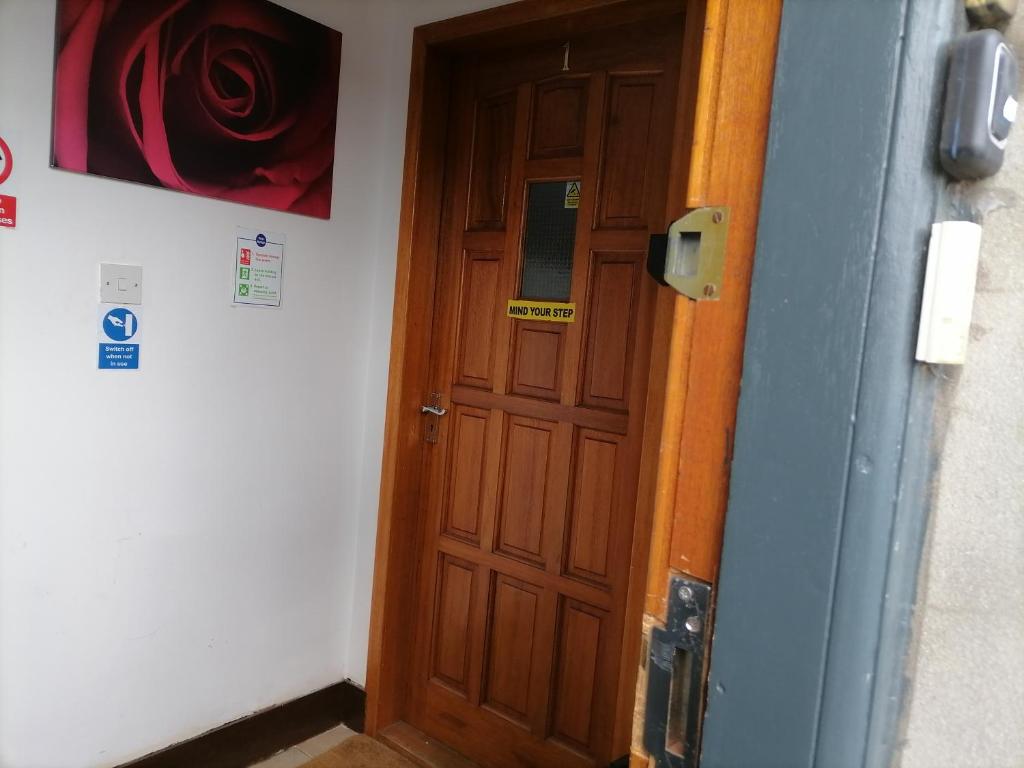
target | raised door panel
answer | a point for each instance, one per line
(481, 273)
(466, 465)
(593, 506)
(492, 162)
(615, 279)
(454, 605)
(527, 474)
(559, 117)
(575, 691)
(510, 646)
(538, 354)
(626, 171)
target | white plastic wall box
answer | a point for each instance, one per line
(949, 292)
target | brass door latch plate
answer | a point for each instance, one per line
(691, 256)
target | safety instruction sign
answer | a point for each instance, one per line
(572, 194)
(8, 211)
(545, 311)
(119, 337)
(259, 263)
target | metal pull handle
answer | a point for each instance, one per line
(431, 426)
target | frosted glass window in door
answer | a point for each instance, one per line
(550, 236)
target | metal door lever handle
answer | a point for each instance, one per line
(436, 410)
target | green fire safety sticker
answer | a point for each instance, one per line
(259, 263)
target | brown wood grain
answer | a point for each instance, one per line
(450, 662)
(614, 301)
(679, 505)
(395, 561)
(541, 409)
(592, 531)
(492, 158)
(481, 273)
(537, 364)
(561, 104)
(551, 567)
(467, 463)
(523, 22)
(666, 393)
(731, 165)
(726, 162)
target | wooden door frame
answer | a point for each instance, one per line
(697, 348)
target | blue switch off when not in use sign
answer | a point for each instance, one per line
(118, 336)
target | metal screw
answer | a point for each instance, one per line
(709, 289)
(694, 624)
(717, 217)
(685, 594)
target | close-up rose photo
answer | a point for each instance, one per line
(231, 99)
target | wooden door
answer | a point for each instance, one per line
(532, 483)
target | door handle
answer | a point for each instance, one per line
(433, 411)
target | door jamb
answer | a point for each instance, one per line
(732, 114)
(731, 122)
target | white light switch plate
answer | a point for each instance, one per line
(120, 284)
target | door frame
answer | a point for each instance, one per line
(726, 85)
(838, 429)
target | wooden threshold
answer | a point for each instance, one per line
(420, 748)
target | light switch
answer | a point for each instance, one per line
(120, 284)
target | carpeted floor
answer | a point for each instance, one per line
(360, 752)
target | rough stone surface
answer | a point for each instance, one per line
(966, 706)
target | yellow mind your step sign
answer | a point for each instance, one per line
(545, 311)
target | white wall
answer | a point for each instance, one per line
(966, 707)
(186, 544)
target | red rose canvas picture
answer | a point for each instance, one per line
(231, 99)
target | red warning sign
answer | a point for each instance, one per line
(8, 211)
(6, 161)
